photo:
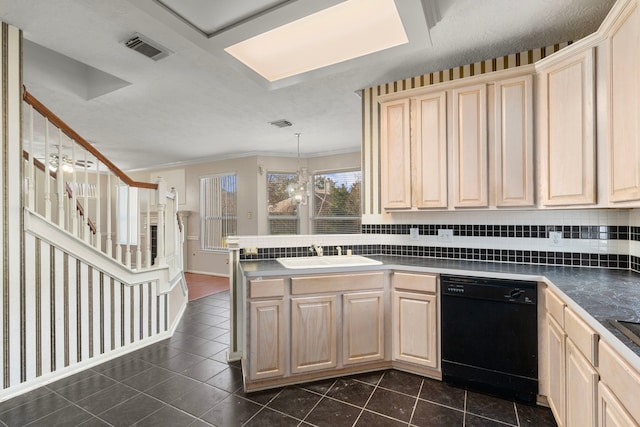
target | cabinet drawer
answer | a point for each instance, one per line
(555, 307)
(268, 288)
(415, 282)
(337, 283)
(585, 338)
(621, 378)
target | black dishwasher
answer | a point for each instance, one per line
(490, 335)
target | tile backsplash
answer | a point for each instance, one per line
(594, 238)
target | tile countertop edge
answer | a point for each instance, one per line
(629, 350)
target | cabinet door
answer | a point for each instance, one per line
(266, 354)
(582, 388)
(514, 142)
(567, 135)
(415, 328)
(429, 151)
(623, 66)
(362, 327)
(469, 147)
(313, 333)
(395, 158)
(556, 369)
(611, 413)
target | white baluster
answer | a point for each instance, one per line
(148, 239)
(109, 244)
(161, 203)
(118, 246)
(98, 196)
(87, 227)
(31, 170)
(74, 191)
(127, 210)
(47, 176)
(60, 183)
(139, 239)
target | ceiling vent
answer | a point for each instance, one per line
(147, 47)
(281, 123)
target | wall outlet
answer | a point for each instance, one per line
(555, 238)
(414, 234)
(445, 235)
(251, 250)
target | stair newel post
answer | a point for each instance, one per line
(47, 176)
(74, 191)
(118, 225)
(31, 168)
(87, 228)
(60, 181)
(109, 244)
(161, 204)
(98, 197)
(147, 242)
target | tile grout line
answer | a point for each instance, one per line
(375, 387)
(263, 407)
(415, 404)
(464, 409)
(515, 407)
(318, 402)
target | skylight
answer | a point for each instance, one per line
(349, 30)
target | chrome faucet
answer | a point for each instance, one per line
(317, 249)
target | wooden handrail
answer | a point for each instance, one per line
(39, 107)
(80, 209)
(40, 165)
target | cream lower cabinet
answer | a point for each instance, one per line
(415, 319)
(556, 369)
(313, 333)
(611, 413)
(267, 340)
(581, 388)
(362, 327)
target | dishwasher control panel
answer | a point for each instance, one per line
(506, 290)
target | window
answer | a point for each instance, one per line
(282, 214)
(336, 202)
(218, 210)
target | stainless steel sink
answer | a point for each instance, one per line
(630, 329)
(327, 261)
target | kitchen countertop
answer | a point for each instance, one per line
(597, 294)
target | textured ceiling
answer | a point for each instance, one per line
(196, 104)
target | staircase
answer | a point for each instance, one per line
(102, 254)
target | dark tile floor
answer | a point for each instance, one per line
(185, 381)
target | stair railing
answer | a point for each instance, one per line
(74, 186)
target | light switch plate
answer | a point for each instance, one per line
(555, 238)
(414, 234)
(445, 235)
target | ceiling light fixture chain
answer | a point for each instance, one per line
(299, 191)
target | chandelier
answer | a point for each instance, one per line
(299, 190)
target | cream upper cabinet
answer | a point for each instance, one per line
(514, 142)
(469, 147)
(429, 151)
(567, 129)
(395, 140)
(622, 60)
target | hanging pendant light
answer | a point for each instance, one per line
(299, 190)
